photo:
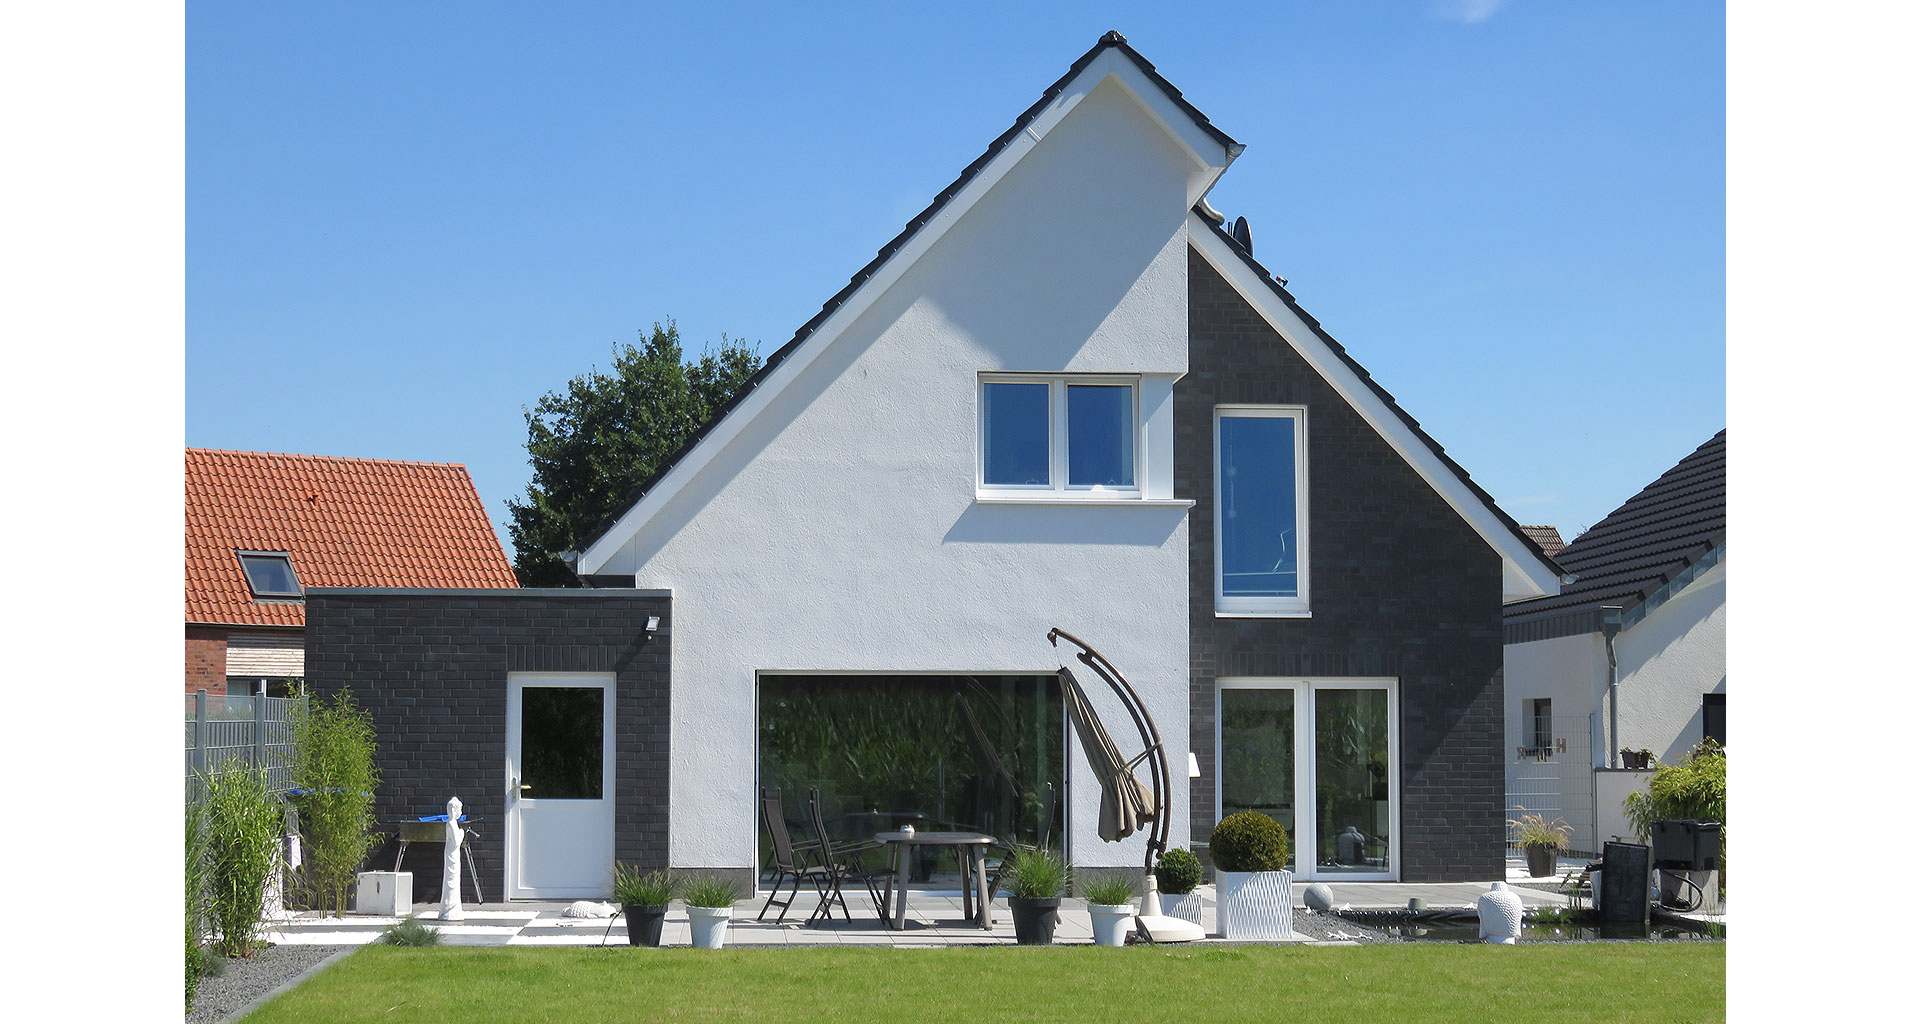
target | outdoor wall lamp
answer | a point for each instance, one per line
(653, 624)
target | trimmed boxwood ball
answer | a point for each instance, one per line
(1248, 841)
(1178, 872)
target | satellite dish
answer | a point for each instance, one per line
(1243, 234)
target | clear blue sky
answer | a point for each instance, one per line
(405, 222)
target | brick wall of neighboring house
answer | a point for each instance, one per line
(207, 659)
(1399, 586)
(432, 668)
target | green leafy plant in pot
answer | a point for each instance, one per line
(1176, 876)
(709, 908)
(1249, 852)
(1037, 880)
(1541, 839)
(643, 899)
(1110, 905)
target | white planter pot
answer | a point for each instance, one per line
(1111, 922)
(1186, 908)
(1255, 904)
(709, 926)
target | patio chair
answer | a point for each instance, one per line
(997, 868)
(843, 865)
(789, 862)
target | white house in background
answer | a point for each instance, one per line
(1661, 561)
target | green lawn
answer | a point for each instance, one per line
(1540, 983)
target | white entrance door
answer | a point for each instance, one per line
(559, 829)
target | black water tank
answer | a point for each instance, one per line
(1624, 881)
(1686, 844)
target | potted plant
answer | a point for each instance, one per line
(1110, 904)
(709, 907)
(1177, 875)
(1037, 880)
(1642, 758)
(643, 899)
(1255, 892)
(1541, 839)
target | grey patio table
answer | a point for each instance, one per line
(971, 848)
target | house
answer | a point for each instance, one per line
(1066, 395)
(1649, 592)
(262, 527)
(1547, 537)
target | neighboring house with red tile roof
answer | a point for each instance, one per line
(1650, 584)
(262, 527)
(1548, 537)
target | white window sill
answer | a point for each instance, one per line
(1296, 614)
(1004, 499)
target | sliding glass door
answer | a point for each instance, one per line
(1321, 756)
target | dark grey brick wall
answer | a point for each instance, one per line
(1400, 586)
(432, 669)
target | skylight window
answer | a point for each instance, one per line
(270, 573)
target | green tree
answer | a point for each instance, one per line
(334, 761)
(606, 434)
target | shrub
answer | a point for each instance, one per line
(1110, 890)
(243, 828)
(1696, 787)
(1248, 841)
(333, 762)
(411, 932)
(1178, 872)
(196, 893)
(1535, 830)
(1038, 875)
(708, 891)
(632, 888)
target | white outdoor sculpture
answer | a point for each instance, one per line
(1318, 898)
(450, 867)
(1500, 913)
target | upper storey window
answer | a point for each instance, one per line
(1260, 510)
(1063, 436)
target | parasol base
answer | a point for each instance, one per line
(1169, 929)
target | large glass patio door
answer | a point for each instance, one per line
(1320, 756)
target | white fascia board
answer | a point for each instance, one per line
(1524, 575)
(1109, 64)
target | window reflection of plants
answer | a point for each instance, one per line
(1256, 742)
(1350, 765)
(964, 752)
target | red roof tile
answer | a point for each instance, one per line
(342, 522)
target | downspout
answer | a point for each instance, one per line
(1609, 628)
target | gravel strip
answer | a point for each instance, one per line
(240, 982)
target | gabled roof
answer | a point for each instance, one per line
(1655, 537)
(1548, 537)
(342, 522)
(1012, 144)
(1529, 571)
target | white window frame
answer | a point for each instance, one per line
(1297, 606)
(1057, 489)
(1305, 841)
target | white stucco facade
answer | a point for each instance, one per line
(838, 527)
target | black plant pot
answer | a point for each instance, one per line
(1542, 861)
(1034, 919)
(643, 923)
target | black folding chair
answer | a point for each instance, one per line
(787, 862)
(844, 865)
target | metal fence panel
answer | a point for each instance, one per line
(1556, 783)
(256, 730)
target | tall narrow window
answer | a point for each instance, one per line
(1713, 717)
(1539, 726)
(1260, 488)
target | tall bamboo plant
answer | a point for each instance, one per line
(242, 831)
(195, 888)
(334, 764)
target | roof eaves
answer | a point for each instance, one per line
(1111, 40)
